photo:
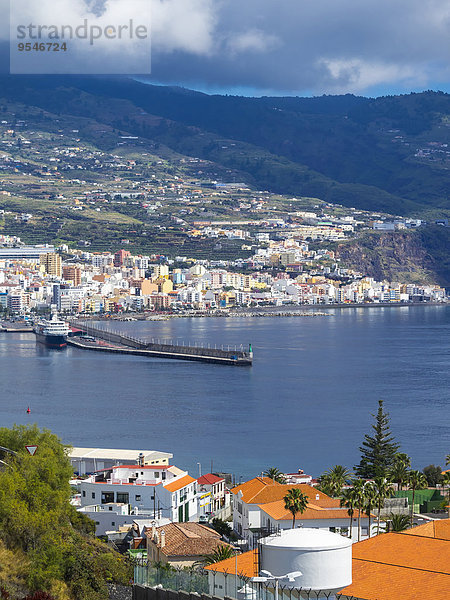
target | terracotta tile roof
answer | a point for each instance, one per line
(405, 550)
(375, 581)
(179, 483)
(187, 539)
(276, 511)
(410, 565)
(247, 565)
(209, 479)
(439, 529)
(262, 490)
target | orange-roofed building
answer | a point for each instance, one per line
(411, 565)
(259, 505)
(327, 515)
(231, 574)
(181, 544)
(161, 490)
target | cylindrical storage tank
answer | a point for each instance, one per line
(323, 558)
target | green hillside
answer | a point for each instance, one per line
(384, 154)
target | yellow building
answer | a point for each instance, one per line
(164, 285)
(52, 263)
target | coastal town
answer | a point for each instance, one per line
(78, 282)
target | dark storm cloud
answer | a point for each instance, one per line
(317, 46)
(298, 45)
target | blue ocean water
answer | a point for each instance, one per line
(306, 402)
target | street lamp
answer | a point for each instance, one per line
(268, 577)
(199, 469)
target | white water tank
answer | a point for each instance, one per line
(323, 558)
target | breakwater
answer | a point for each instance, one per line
(123, 344)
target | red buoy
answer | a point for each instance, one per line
(28, 410)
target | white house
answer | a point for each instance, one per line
(258, 506)
(160, 490)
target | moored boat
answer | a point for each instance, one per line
(53, 333)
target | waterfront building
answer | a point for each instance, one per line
(88, 460)
(160, 490)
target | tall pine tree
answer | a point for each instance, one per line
(378, 450)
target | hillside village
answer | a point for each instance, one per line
(169, 521)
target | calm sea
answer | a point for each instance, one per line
(306, 402)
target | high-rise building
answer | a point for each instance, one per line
(120, 256)
(71, 273)
(52, 263)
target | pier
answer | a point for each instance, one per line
(122, 344)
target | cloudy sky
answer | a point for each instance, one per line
(298, 46)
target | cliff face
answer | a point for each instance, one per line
(398, 256)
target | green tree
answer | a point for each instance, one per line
(275, 474)
(349, 501)
(37, 520)
(400, 522)
(446, 484)
(433, 475)
(220, 553)
(416, 481)
(359, 487)
(295, 502)
(378, 450)
(223, 528)
(400, 469)
(382, 489)
(333, 480)
(369, 500)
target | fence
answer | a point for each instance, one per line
(154, 581)
(170, 578)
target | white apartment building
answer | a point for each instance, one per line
(163, 490)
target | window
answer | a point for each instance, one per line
(110, 508)
(138, 497)
(107, 497)
(123, 497)
(84, 494)
(156, 475)
(163, 475)
(113, 523)
(93, 494)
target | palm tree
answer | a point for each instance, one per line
(399, 472)
(382, 490)
(416, 481)
(349, 501)
(400, 522)
(447, 459)
(275, 474)
(370, 500)
(359, 496)
(220, 553)
(295, 502)
(446, 484)
(334, 480)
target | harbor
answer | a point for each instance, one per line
(86, 337)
